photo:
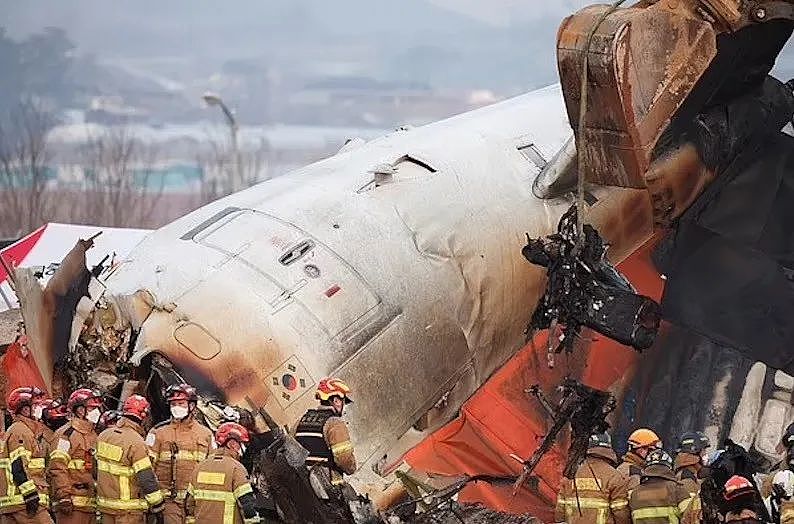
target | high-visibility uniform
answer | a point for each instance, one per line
(126, 485)
(70, 471)
(23, 478)
(787, 512)
(659, 499)
(686, 468)
(632, 468)
(220, 492)
(597, 495)
(325, 436)
(180, 445)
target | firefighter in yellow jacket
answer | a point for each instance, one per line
(23, 488)
(219, 491)
(324, 434)
(660, 498)
(689, 461)
(71, 460)
(126, 485)
(599, 492)
(176, 447)
(641, 442)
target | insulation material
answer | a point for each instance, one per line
(501, 419)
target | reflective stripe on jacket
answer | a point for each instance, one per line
(219, 492)
(192, 443)
(23, 466)
(325, 436)
(125, 479)
(71, 464)
(659, 499)
(598, 493)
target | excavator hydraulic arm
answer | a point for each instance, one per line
(656, 65)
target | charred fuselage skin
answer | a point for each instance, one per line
(408, 284)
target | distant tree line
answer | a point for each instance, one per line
(119, 182)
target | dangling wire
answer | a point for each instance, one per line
(580, 148)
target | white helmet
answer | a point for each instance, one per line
(785, 479)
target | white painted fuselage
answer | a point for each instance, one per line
(395, 265)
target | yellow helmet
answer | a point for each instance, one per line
(332, 387)
(644, 438)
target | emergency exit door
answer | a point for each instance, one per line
(304, 270)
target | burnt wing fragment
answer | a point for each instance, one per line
(585, 290)
(585, 409)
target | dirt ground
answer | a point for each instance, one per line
(475, 514)
(9, 320)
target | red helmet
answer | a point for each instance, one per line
(231, 431)
(332, 387)
(38, 394)
(737, 487)
(84, 397)
(181, 392)
(52, 410)
(24, 396)
(136, 406)
(108, 418)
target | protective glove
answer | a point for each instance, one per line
(32, 503)
(64, 506)
(156, 514)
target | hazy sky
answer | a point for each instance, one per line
(504, 12)
(505, 45)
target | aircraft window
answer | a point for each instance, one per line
(296, 253)
(532, 154)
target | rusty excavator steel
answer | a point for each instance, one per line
(651, 66)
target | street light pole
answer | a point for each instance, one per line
(214, 99)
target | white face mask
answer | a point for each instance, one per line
(242, 449)
(179, 412)
(93, 416)
(37, 412)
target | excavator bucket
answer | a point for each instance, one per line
(642, 65)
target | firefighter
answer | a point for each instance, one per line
(51, 415)
(659, 498)
(126, 484)
(176, 447)
(781, 500)
(23, 488)
(219, 491)
(325, 436)
(599, 492)
(689, 460)
(641, 442)
(107, 419)
(71, 460)
(54, 414)
(741, 501)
